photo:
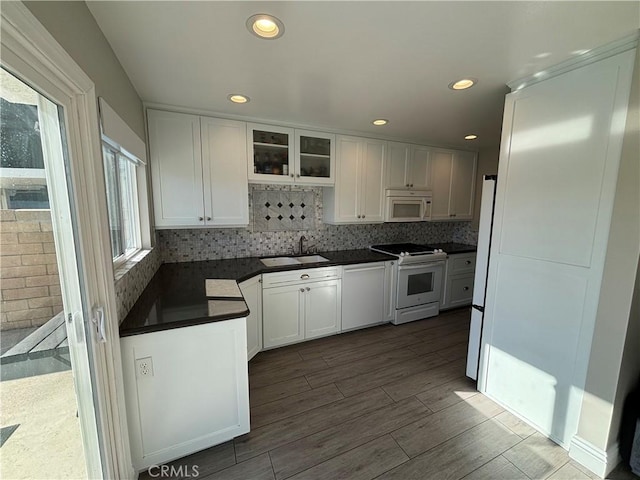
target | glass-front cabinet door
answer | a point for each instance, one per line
(270, 154)
(284, 155)
(315, 156)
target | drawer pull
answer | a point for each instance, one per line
(304, 276)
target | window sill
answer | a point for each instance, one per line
(123, 267)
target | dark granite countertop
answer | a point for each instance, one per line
(176, 297)
(453, 248)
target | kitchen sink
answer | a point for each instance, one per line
(312, 259)
(282, 261)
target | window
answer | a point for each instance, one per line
(122, 201)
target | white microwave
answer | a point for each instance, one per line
(407, 205)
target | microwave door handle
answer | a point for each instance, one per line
(425, 207)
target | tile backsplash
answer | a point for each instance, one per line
(275, 236)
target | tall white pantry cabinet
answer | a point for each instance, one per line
(551, 352)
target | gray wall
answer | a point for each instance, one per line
(75, 29)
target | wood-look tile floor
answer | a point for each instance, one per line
(388, 402)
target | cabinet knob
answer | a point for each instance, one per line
(292, 175)
(297, 175)
(363, 216)
(407, 185)
(302, 290)
(304, 276)
(465, 288)
(359, 216)
(308, 289)
(201, 218)
(468, 262)
(208, 218)
(411, 185)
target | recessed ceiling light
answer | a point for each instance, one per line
(380, 121)
(470, 137)
(238, 98)
(462, 84)
(265, 26)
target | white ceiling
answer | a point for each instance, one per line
(339, 65)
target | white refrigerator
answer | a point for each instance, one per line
(480, 283)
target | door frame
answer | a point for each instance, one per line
(31, 51)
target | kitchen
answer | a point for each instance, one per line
(194, 244)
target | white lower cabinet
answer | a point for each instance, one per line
(363, 295)
(193, 394)
(458, 281)
(252, 292)
(322, 309)
(300, 305)
(283, 315)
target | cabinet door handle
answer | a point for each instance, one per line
(302, 290)
(363, 216)
(358, 216)
(201, 218)
(304, 276)
(308, 289)
(407, 185)
(468, 262)
(412, 185)
(465, 288)
(208, 218)
(297, 175)
(292, 175)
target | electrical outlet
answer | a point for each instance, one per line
(144, 367)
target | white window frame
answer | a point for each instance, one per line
(120, 152)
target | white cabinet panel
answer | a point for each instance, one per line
(372, 175)
(441, 166)
(463, 181)
(322, 309)
(358, 195)
(420, 167)
(166, 419)
(283, 315)
(226, 199)
(459, 276)
(397, 164)
(363, 295)
(453, 178)
(198, 170)
(252, 292)
(176, 168)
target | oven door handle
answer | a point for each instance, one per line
(417, 266)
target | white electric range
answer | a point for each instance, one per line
(419, 270)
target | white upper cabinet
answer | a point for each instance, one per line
(287, 156)
(226, 194)
(358, 195)
(198, 170)
(408, 166)
(176, 168)
(453, 176)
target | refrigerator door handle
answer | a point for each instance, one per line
(478, 307)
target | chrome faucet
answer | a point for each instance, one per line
(302, 240)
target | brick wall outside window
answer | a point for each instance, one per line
(29, 281)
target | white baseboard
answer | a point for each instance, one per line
(589, 456)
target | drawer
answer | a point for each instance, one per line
(461, 263)
(302, 275)
(459, 290)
